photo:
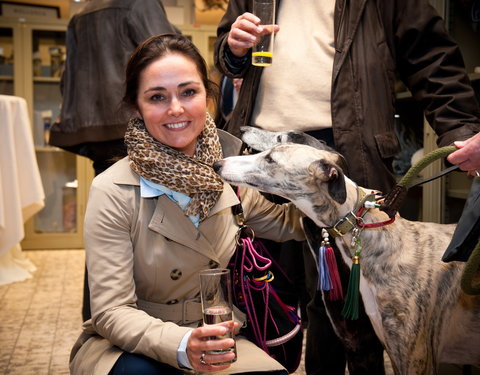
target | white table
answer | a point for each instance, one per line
(21, 190)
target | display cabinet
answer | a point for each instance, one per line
(6, 61)
(31, 58)
(204, 37)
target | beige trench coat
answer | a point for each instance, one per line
(144, 256)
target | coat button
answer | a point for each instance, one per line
(175, 274)
(212, 264)
(172, 302)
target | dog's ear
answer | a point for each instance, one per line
(330, 173)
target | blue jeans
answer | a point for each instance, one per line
(137, 364)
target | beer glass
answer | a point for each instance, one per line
(216, 297)
(262, 52)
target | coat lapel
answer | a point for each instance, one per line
(170, 221)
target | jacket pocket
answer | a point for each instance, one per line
(387, 144)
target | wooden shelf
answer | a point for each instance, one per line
(46, 79)
(48, 149)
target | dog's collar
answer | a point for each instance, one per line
(350, 220)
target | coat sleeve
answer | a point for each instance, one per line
(431, 65)
(225, 61)
(276, 222)
(110, 214)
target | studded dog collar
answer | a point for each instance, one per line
(350, 220)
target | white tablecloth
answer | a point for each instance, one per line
(21, 190)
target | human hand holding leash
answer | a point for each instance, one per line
(201, 342)
(467, 157)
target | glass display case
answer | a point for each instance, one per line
(6, 61)
(31, 67)
(204, 38)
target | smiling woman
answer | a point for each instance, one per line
(158, 217)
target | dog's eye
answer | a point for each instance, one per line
(269, 159)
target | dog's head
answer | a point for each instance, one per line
(310, 178)
(262, 140)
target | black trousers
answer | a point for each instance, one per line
(324, 352)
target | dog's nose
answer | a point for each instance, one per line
(217, 166)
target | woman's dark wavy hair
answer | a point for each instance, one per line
(156, 47)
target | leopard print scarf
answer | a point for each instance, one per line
(163, 165)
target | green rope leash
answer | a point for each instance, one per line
(395, 197)
(412, 173)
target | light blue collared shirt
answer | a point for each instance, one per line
(182, 358)
(149, 189)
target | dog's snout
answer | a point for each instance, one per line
(217, 166)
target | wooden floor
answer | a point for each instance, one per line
(40, 318)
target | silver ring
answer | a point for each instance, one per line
(477, 173)
(202, 359)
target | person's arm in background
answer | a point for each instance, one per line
(237, 32)
(225, 61)
(431, 65)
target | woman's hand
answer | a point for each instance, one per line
(203, 339)
(468, 155)
(245, 33)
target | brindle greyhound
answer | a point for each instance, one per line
(412, 298)
(362, 350)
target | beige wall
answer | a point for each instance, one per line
(211, 17)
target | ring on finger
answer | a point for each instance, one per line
(477, 173)
(202, 359)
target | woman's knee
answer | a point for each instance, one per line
(281, 372)
(130, 364)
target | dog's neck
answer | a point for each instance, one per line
(341, 219)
